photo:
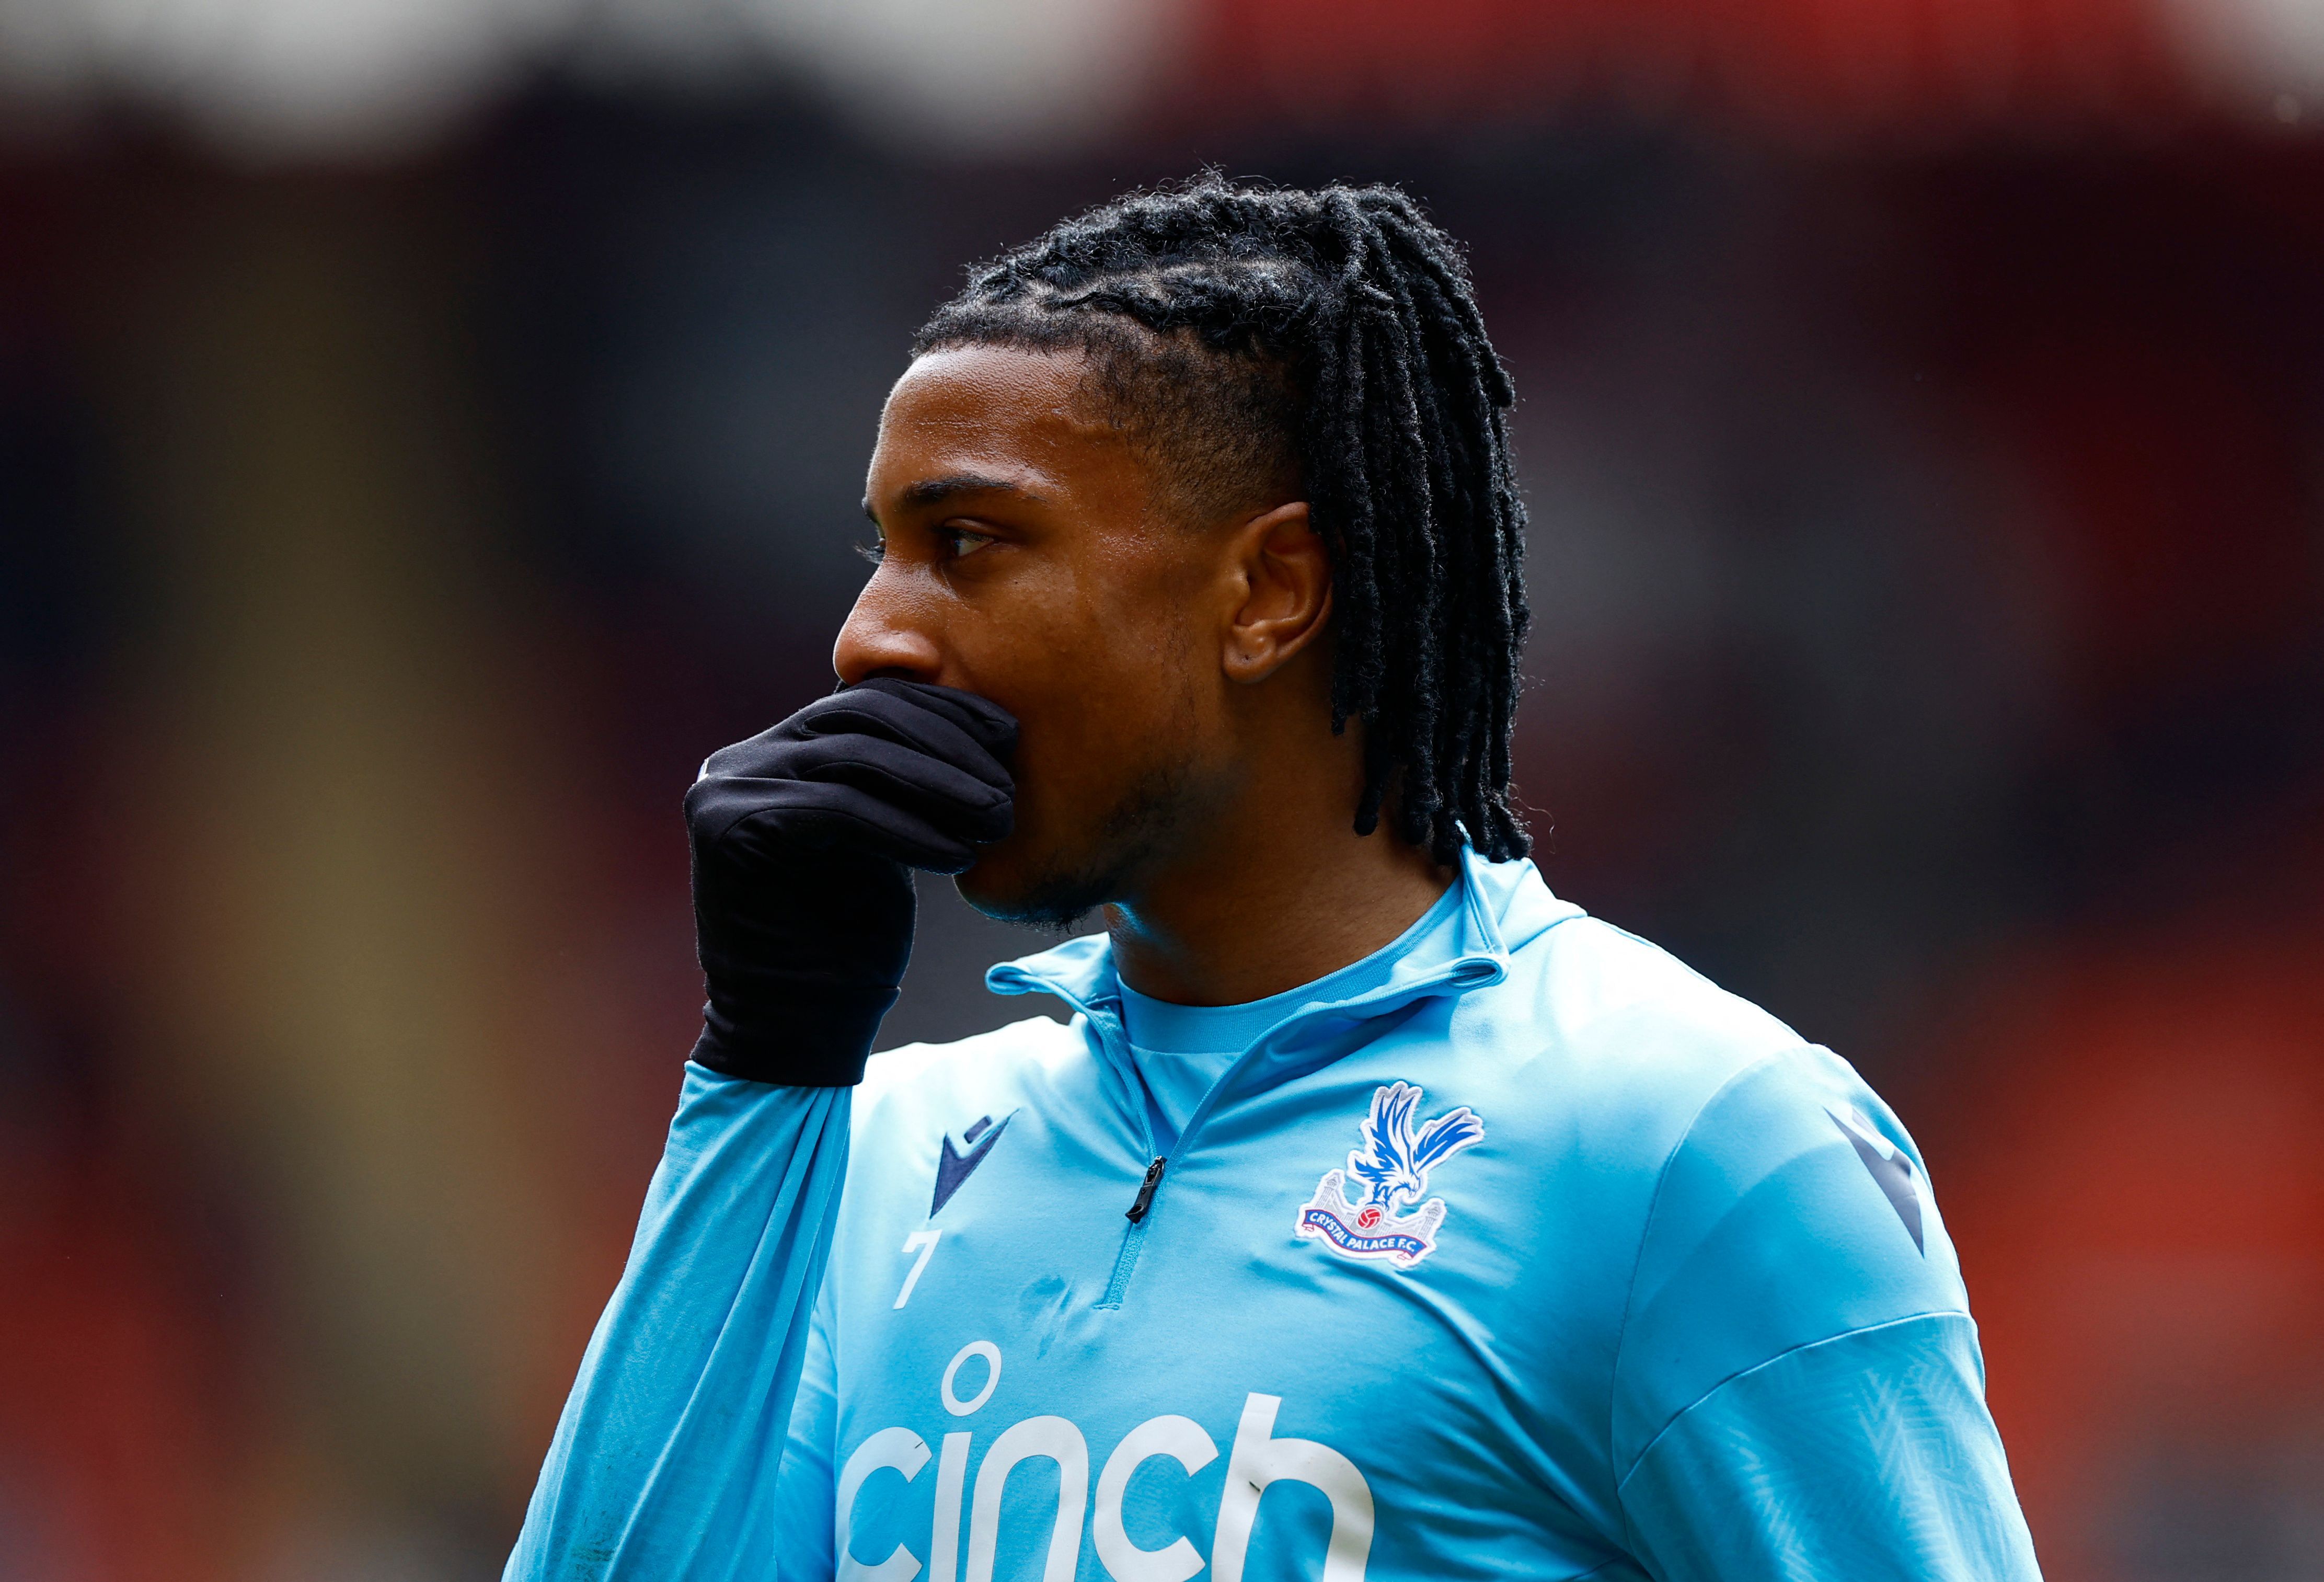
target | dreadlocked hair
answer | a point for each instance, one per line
(1246, 337)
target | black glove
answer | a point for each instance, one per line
(802, 837)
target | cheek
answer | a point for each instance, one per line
(1103, 713)
(1099, 703)
(1098, 659)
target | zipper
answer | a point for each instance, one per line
(1137, 1215)
(1110, 1033)
(1142, 1209)
(1474, 970)
(1133, 1238)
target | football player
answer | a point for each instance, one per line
(1378, 1213)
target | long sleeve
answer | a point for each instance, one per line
(1869, 1456)
(1799, 1394)
(806, 1490)
(665, 1457)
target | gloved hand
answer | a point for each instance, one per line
(802, 837)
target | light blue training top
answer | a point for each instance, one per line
(1182, 1050)
(1514, 1250)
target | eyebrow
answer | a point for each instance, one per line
(935, 491)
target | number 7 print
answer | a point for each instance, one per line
(925, 1243)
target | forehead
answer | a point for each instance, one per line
(997, 410)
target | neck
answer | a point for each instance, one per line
(1269, 903)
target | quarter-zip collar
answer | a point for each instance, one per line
(1467, 948)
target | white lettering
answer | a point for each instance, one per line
(923, 1242)
(1260, 1458)
(889, 1449)
(951, 1477)
(991, 1355)
(1181, 1438)
(1061, 1442)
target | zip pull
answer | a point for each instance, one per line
(1137, 1214)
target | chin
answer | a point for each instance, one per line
(1047, 878)
(1039, 889)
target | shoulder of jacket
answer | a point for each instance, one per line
(983, 1067)
(1601, 1017)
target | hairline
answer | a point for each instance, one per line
(1116, 402)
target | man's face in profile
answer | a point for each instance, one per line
(1024, 560)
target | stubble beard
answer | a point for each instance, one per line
(1142, 826)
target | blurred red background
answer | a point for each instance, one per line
(413, 463)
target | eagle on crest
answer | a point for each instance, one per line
(1395, 1159)
(1389, 1223)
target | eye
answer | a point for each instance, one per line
(875, 552)
(961, 541)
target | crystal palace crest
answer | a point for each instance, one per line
(1389, 1222)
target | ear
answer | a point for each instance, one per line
(1283, 577)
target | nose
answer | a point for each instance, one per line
(882, 638)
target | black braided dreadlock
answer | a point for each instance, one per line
(1247, 337)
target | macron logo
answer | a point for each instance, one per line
(954, 1166)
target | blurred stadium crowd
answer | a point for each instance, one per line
(427, 426)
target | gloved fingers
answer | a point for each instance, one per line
(904, 770)
(844, 729)
(931, 736)
(964, 807)
(991, 726)
(825, 813)
(931, 719)
(937, 790)
(960, 728)
(759, 757)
